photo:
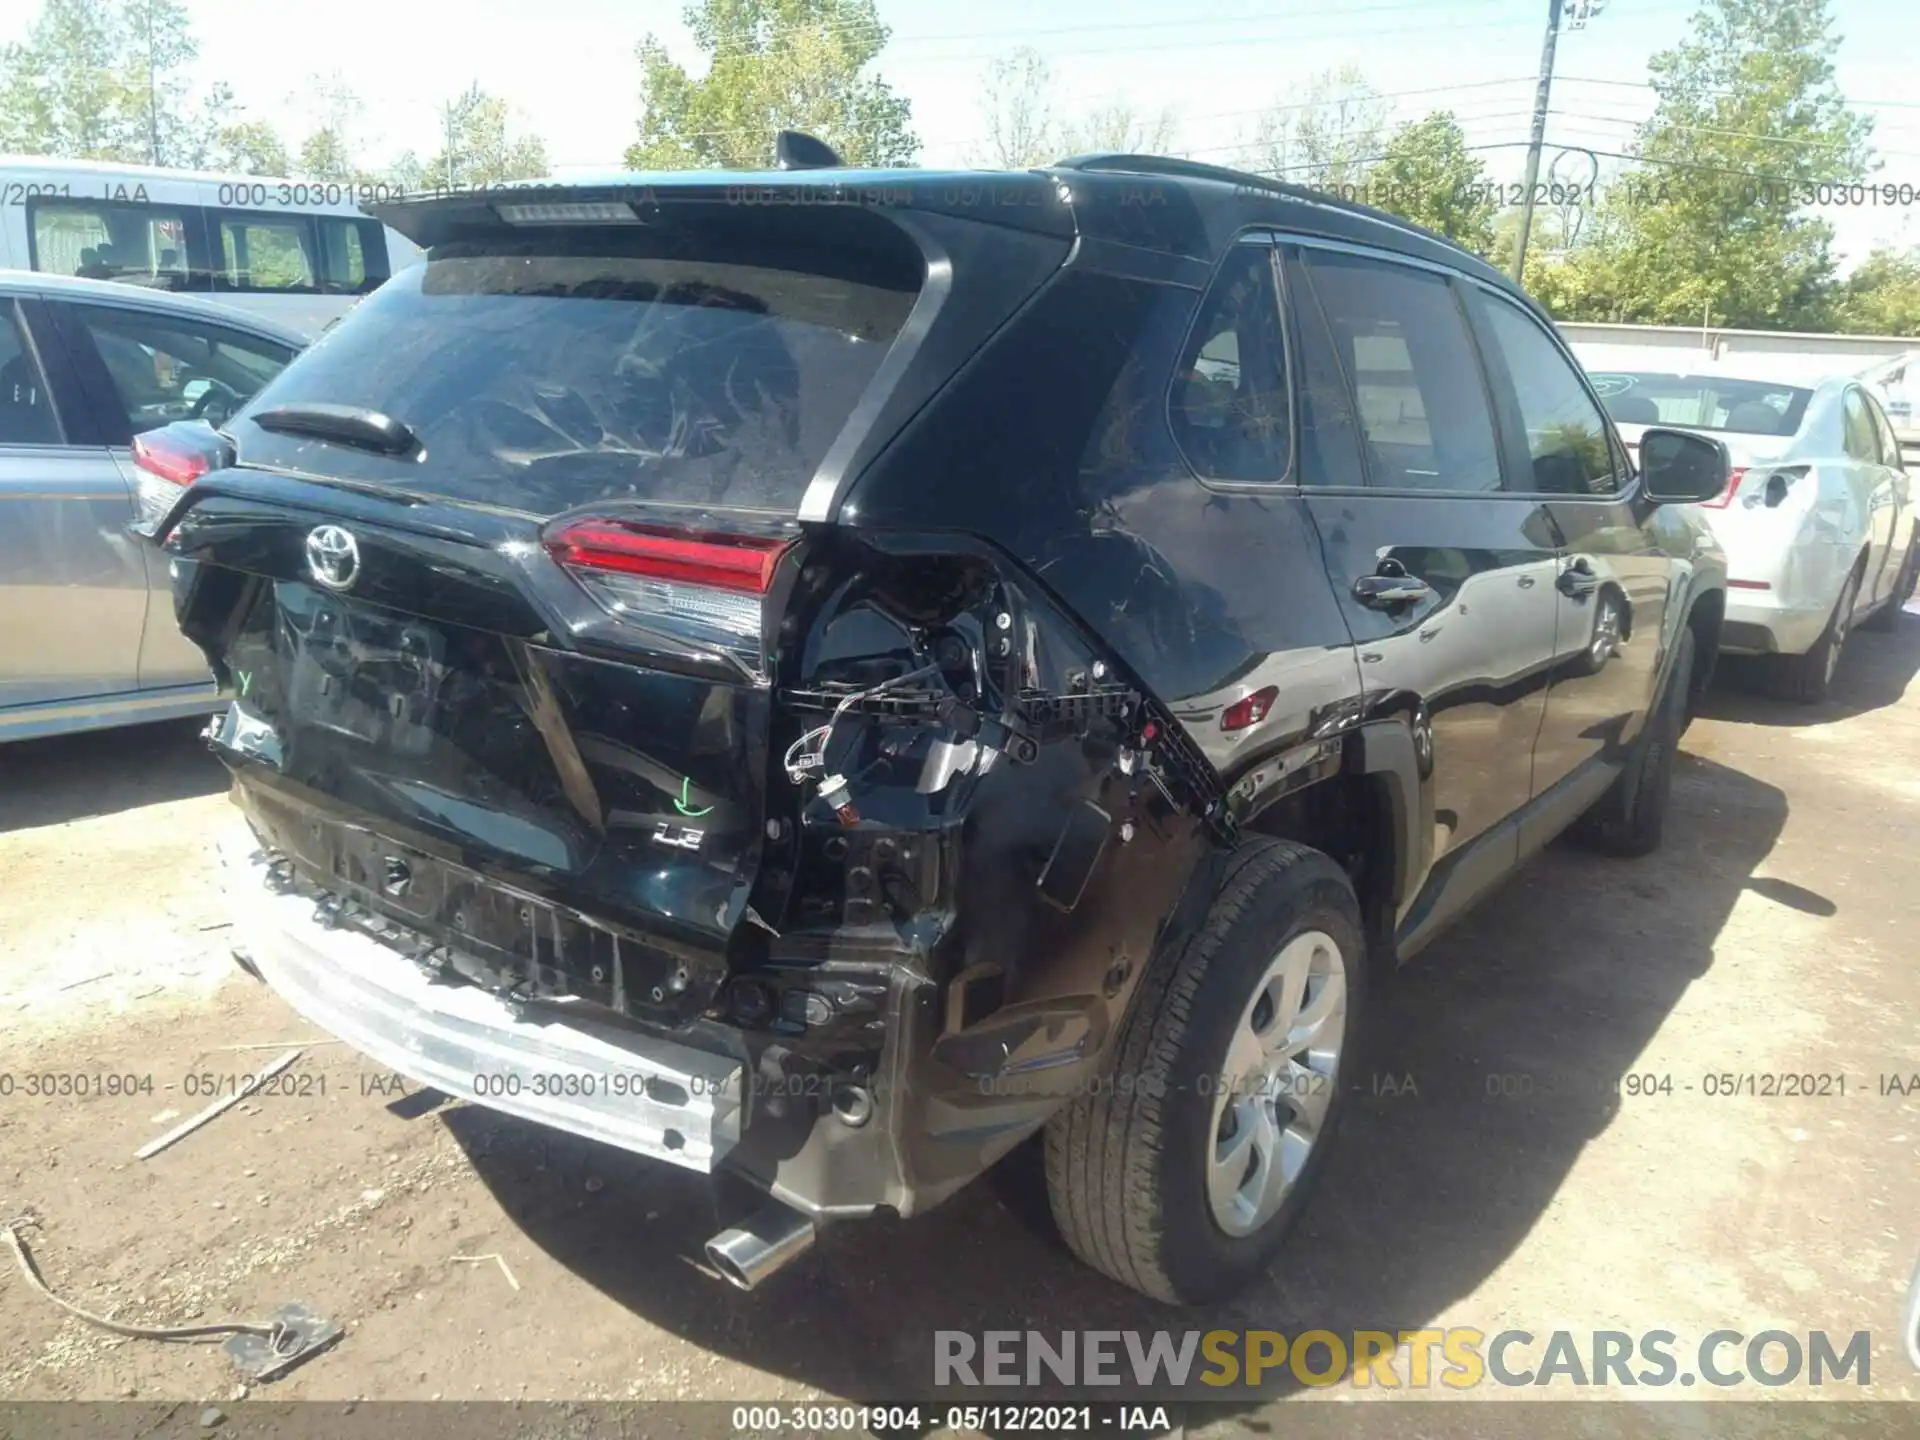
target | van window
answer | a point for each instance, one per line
(266, 252)
(1417, 384)
(138, 244)
(1229, 404)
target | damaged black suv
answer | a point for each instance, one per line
(822, 675)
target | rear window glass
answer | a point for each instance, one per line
(1701, 402)
(551, 378)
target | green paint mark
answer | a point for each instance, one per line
(683, 807)
(246, 680)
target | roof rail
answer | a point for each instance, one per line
(1185, 169)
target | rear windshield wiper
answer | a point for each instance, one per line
(353, 425)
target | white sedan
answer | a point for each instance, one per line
(1817, 522)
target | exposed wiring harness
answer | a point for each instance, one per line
(809, 752)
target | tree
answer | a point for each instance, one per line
(1016, 103)
(1119, 128)
(1327, 139)
(1428, 175)
(1882, 295)
(251, 147)
(1710, 224)
(62, 90)
(478, 151)
(159, 46)
(335, 109)
(772, 65)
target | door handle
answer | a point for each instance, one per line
(1578, 580)
(1387, 592)
(1526, 582)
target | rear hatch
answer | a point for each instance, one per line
(498, 571)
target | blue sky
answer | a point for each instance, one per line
(567, 67)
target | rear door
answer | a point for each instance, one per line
(73, 583)
(1446, 579)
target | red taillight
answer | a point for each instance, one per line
(740, 563)
(1249, 709)
(173, 460)
(1749, 585)
(1725, 497)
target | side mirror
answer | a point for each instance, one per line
(1682, 468)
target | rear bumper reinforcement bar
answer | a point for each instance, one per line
(642, 1093)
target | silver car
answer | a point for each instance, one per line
(87, 632)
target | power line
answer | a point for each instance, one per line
(1649, 85)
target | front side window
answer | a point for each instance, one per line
(1567, 440)
(1889, 442)
(166, 369)
(266, 253)
(1229, 403)
(1417, 385)
(136, 244)
(1858, 433)
(26, 410)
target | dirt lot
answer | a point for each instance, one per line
(1773, 935)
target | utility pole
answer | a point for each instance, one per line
(1536, 139)
(447, 116)
(1579, 12)
(153, 98)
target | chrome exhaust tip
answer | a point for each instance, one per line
(766, 1241)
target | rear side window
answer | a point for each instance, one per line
(165, 368)
(1418, 391)
(1567, 443)
(1229, 404)
(560, 373)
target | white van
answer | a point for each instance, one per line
(296, 252)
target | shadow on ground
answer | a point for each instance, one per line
(72, 777)
(1875, 670)
(1558, 984)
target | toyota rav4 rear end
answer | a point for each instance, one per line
(600, 765)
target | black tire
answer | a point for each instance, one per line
(1887, 617)
(1128, 1164)
(1805, 679)
(1630, 818)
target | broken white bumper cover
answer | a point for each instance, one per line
(641, 1093)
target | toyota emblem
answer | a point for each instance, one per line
(333, 556)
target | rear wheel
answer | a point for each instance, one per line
(1887, 617)
(1805, 679)
(1182, 1173)
(1630, 818)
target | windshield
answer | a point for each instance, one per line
(542, 380)
(1701, 402)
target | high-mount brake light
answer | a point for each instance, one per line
(570, 212)
(703, 586)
